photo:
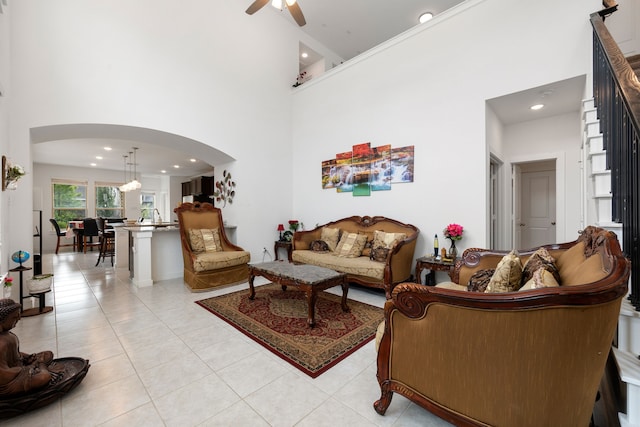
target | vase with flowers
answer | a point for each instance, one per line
(453, 232)
(6, 287)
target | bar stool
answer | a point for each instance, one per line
(107, 241)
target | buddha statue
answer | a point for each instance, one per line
(20, 373)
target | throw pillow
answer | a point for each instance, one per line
(541, 278)
(507, 275)
(331, 236)
(319, 246)
(351, 245)
(539, 259)
(379, 254)
(382, 239)
(479, 281)
(205, 240)
(367, 248)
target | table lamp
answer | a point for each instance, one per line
(280, 229)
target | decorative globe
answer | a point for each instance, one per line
(20, 256)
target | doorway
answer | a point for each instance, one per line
(534, 203)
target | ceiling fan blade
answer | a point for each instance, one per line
(295, 11)
(256, 6)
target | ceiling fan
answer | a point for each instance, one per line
(292, 5)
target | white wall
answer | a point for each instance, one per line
(210, 73)
(429, 90)
(4, 134)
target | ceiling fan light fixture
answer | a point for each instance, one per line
(427, 16)
(277, 4)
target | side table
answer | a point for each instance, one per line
(432, 264)
(283, 244)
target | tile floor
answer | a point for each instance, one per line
(158, 359)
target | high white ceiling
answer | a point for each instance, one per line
(351, 27)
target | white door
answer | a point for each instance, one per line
(537, 208)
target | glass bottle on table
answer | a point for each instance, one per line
(435, 246)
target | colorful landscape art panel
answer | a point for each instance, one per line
(381, 168)
(343, 172)
(402, 165)
(366, 169)
(361, 169)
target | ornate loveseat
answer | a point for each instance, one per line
(210, 259)
(384, 272)
(520, 358)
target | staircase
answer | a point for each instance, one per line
(597, 211)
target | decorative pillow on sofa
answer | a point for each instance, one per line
(205, 240)
(479, 281)
(319, 246)
(367, 248)
(379, 254)
(382, 239)
(351, 245)
(540, 259)
(541, 278)
(331, 236)
(508, 274)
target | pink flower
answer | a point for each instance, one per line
(453, 231)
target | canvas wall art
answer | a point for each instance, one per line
(365, 169)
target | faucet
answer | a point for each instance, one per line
(155, 210)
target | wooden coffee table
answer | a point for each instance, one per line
(307, 278)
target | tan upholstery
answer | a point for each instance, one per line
(396, 268)
(529, 358)
(209, 268)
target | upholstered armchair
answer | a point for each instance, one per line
(210, 259)
(533, 357)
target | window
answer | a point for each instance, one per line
(69, 201)
(148, 205)
(109, 201)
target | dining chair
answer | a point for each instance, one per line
(89, 230)
(107, 237)
(60, 234)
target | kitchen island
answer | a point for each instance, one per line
(151, 252)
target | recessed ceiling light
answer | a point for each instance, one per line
(93, 164)
(99, 157)
(163, 171)
(192, 160)
(425, 17)
(176, 166)
(107, 148)
(304, 55)
(537, 107)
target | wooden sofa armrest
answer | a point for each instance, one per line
(399, 262)
(437, 339)
(302, 239)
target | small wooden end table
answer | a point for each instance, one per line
(432, 264)
(307, 278)
(283, 244)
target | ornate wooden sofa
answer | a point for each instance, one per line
(209, 262)
(524, 358)
(382, 274)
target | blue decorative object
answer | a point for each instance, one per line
(20, 257)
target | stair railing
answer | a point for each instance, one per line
(616, 92)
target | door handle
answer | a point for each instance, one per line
(553, 223)
(522, 224)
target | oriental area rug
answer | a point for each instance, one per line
(277, 320)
